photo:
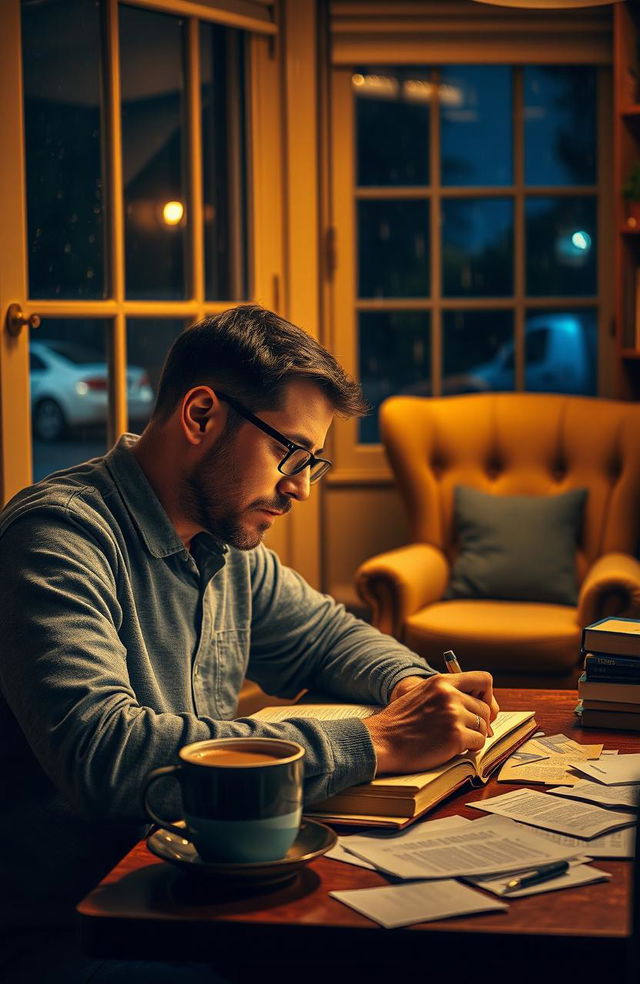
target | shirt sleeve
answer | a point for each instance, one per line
(302, 638)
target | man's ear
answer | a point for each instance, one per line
(201, 414)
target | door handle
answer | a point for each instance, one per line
(16, 320)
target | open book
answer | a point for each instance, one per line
(395, 801)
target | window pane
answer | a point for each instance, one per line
(475, 125)
(153, 150)
(392, 248)
(224, 162)
(478, 351)
(560, 125)
(561, 352)
(69, 392)
(62, 74)
(477, 247)
(561, 246)
(392, 125)
(394, 357)
(148, 341)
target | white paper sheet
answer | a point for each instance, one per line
(565, 816)
(485, 846)
(340, 853)
(620, 844)
(618, 770)
(578, 874)
(594, 792)
(561, 745)
(402, 905)
(341, 850)
(318, 712)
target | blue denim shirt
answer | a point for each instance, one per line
(119, 646)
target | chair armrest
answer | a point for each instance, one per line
(611, 587)
(400, 582)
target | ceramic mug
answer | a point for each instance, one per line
(242, 797)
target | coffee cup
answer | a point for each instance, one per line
(242, 797)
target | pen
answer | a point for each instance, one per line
(451, 661)
(541, 874)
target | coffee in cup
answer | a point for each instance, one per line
(242, 797)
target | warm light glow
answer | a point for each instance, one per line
(412, 90)
(172, 213)
(380, 86)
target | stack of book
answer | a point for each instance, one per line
(609, 687)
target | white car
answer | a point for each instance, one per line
(69, 388)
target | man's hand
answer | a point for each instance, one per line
(430, 720)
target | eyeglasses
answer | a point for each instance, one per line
(296, 458)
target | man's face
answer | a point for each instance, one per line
(236, 492)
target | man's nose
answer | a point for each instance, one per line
(298, 486)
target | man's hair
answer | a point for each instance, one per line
(252, 354)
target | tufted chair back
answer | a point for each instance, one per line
(507, 444)
(518, 444)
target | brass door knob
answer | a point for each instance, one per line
(16, 320)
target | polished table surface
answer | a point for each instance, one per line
(146, 908)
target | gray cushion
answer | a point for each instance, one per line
(516, 547)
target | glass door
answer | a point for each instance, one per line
(127, 196)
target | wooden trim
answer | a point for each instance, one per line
(302, 225)
(15, 413)
(443, 30)
(519, 259)
(606, 383)
(411, 51)
(471, 191)
(244, 14)
(435, 241)
(265, 206)
(351, 477)
(195, 222)
(266, 178)
(117, 336)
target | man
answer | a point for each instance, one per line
(136, 593)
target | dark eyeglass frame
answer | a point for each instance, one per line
(312, 460)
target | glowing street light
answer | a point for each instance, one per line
(172, 213)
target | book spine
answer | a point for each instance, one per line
(604, 690)
(601, 676)
(596, 661)
(609, 719)
(613, 669)
(611, 643)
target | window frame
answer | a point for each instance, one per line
(357, 463)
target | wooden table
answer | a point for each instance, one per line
(145, 908)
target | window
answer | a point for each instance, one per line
(476, 229)
(137, 202)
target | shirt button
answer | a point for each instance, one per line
(196, 671)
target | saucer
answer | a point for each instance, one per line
(313, 840)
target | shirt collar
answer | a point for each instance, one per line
(155, 528)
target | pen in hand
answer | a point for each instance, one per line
(542, 874)
(453, 666)
(451, 661)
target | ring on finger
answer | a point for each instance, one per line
(478, 728)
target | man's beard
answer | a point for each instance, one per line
(210, 496)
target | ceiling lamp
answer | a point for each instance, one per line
(548, 4)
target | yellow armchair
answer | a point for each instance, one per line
(507, 444)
